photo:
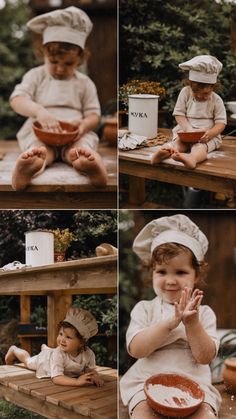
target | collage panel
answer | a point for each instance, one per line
(58, 304)
(177, 313)
(58, 122)
(177, 91)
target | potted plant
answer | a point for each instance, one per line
(137, 87)
(62, 240)
(227, 350)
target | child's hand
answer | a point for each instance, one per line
(192, 301)
(48, 121)
(207, 136)
(97, 380)
(85, 379)
(83, 128)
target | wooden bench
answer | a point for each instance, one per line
(216, 174)
(20, 386)
(60, 186)
(227, 410)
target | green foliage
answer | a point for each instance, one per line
(104, 310)
(90, 228)
(39, 316)
(156, 36)
(11, 411)
(16, 57)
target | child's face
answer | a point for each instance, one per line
(68, 341)
(62, 67)
(201, 94)
(170, 278)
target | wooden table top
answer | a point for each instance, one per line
(59, 176)
(221, 163)
(20, 386)
(83, 276)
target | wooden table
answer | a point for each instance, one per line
(59, 186)
(216, 174)
(21, 387)
(59, 282)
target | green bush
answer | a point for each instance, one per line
(16, 56)
(155, 36)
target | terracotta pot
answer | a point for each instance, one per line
(229, 375)
(190, 137)
(110, 131)
(59, 257)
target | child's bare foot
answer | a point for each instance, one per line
(10, 356)
(187, 159)
(161, 154)
(27, 165)
(89, 162)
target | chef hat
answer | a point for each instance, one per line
(83, 321)
(174, 229)
(70, 25)
(202, 68)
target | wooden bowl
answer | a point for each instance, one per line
(56, 138)
(191, 137)
(176, 408)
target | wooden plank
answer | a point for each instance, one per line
(38, 406)
(58, 200)
(57, 304)
(136, 190)
(89, 275)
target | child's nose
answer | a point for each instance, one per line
(60, 69)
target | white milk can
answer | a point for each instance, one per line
(143, 115)
(39, 248)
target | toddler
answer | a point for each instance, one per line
(72, 362)
(173, 332)
(57, 91)
(198, 108)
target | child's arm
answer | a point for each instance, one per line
(24, 106)
(82, 380)
(148, 340)
(183, 122)
(202, 346)
(89, 123)
(212, 132)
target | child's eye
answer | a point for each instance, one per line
(181, 272)
(161, 271)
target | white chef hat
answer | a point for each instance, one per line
(83, 321)
(202, 68)
(174, 229)
(70, 25)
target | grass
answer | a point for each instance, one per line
(11, 411)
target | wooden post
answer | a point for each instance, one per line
(58, 304)
(25, 318)
(136, 190)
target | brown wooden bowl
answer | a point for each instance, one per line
(56, 138)
(181, 382)
(191, 137)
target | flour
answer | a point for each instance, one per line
(171, 396)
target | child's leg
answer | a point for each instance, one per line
(142, 410)
(29, 164)
(197, 154)
(83, 157)
(16, 353)
(205, 411)
(168, 150)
